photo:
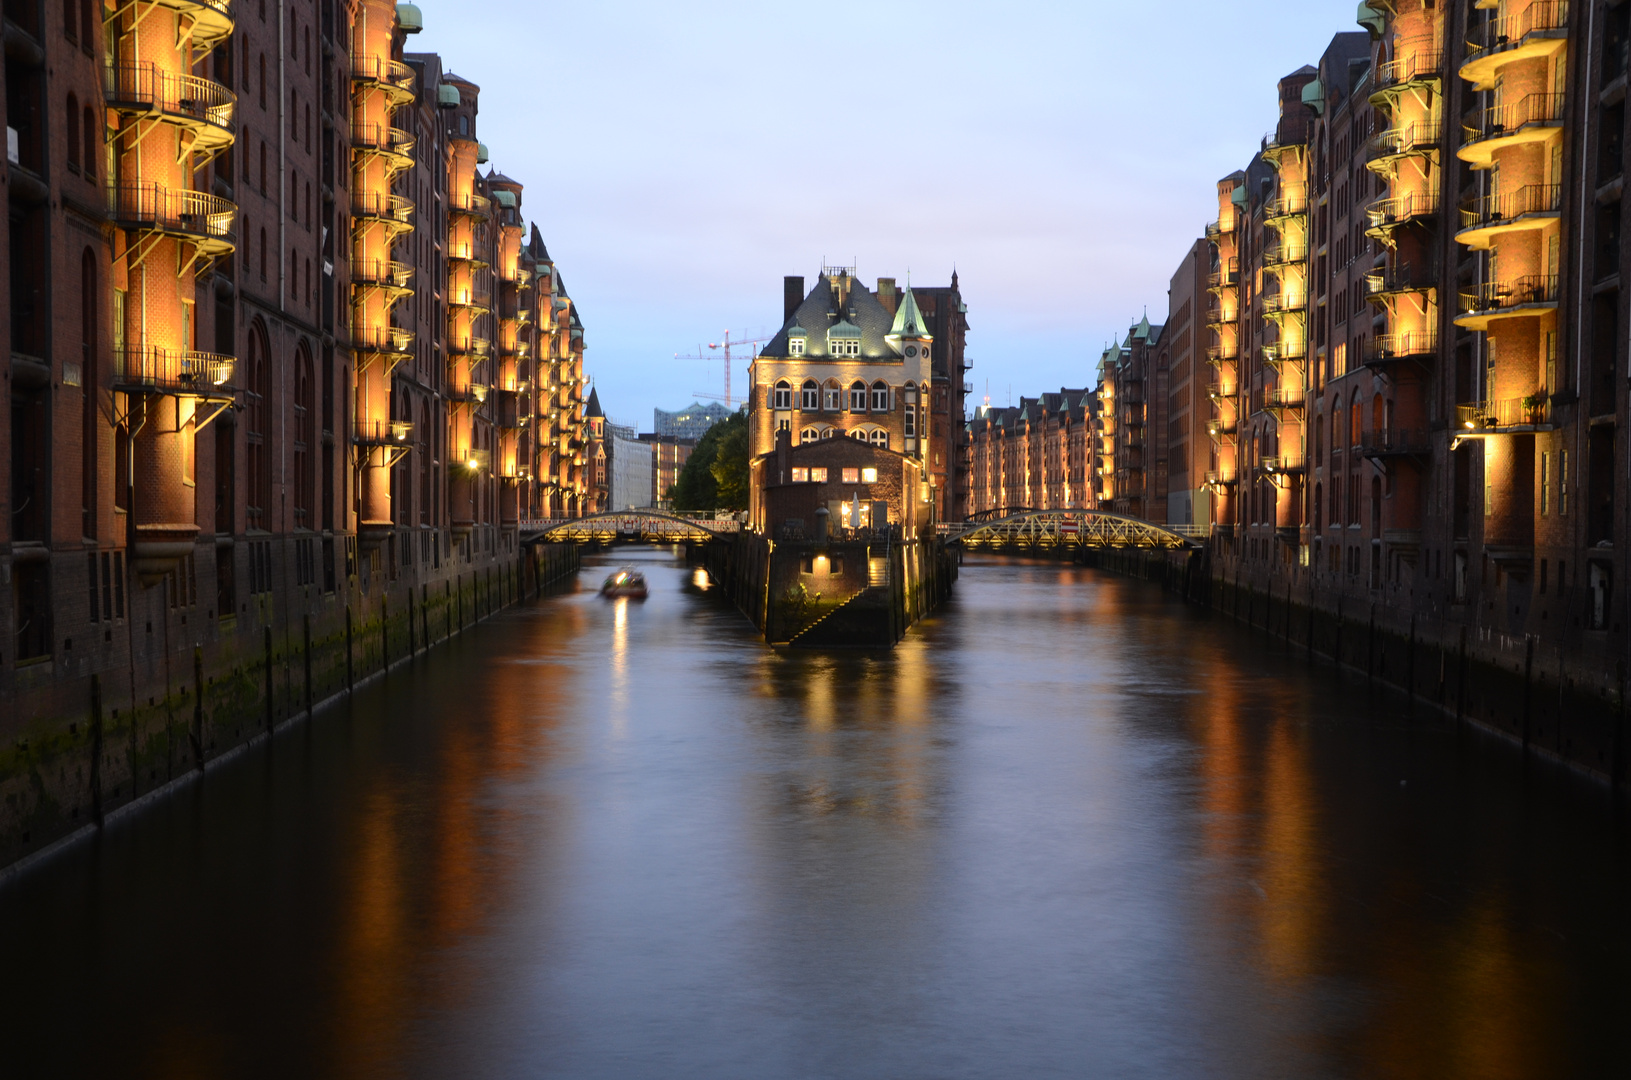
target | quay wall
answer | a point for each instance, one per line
(1529, 690)
(832, 594)
(90, 739)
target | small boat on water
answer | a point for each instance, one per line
(625, 582)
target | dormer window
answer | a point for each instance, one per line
(844, 339)
(796, 338)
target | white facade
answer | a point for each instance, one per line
(631, 469)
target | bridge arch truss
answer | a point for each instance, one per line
(641, 526)
(1053, 529)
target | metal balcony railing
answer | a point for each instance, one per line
(470, 346)
(1389, 442)
(381, 432)
(1284, 301)
(1406, 139)
(146, 367)
(1530, 199)
(1215, 478)
(1541, 16)
(375, 205)
(1290, 200)
(1220, 427)
(1402, 278)
(383, 72)
(382, 272)
(1218, 229)
(1495, 296)
(1284, 352)
(1388, 213)
(1420, 64)
(1501, 120)
(1276, 398)
(1532, 413)
(1285, 254)
(383, 339)
(1280, 464)
(381, 139)
(1222, 354)
(181, 212)
(148, 87)
(1390, 348)
(469, 203)
(1225, 274)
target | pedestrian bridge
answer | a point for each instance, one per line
(629, 527)
(1056, 529)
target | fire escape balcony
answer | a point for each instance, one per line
(469, 298)
(1529, 295)
(1290, 202)
(389, 344)
(1220, 428)
(369, 208)
(465, 253)
(1217, 230)
(211, 21)
(1533, 206)
(1222, 354)
(470, 346)
(394, 145)
(1219, 390)
(381, 432)
(1419, 72)
(1418, 139)
(1385, 350)
(393, 77)
(1513, 416)
(1216, 479)
(202, 109)
(1541, 29)
(196, 217)
(1396, 280)
(1533, 118)
(1394, 442)
(1279, 402)
(1284, 302)
(147, 369)
(1276, 353)
(1224, 276)
(384, 275)
(1386, 215)
(1275, 148)
(469, 204)
(1283, 253)
(1283, 465)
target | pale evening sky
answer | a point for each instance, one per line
(681, 158)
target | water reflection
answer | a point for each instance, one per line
(1068, 828)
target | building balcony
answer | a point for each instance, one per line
(1276, 149)
(1514, 416)
(1290, 201)
(1276, 400)
(379, 140)
(1217, 230)
(1386, 215)
(1529, 295)
(470, 346)
(1407, 140)
(1394, 442)
(204, 110)
(381, 432)
(1284, 302)
(469, 204)
(1285, 352)
(1533, 206)
(390, 344)
(211, 20)
(469, 298)
(1283, 253)
(197, 217)
(1418, 71)
(1224, 276)
(393, 213)
(465, 253)
(1216, 479)
(393, 77)
(1284, 465)
(1385, 350)
(1222, 354)
(1541, 29)
(1400, 279)
(1533, 118)
(139, 369)
(1220, 428)
(1219, 390)
(385, 275)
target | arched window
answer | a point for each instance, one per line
(70, 21)
(424, 463)
(809, 396)
(1376, 506)
(1355, 418)
(880, 437)
(832, 396)
(1319, 506)
(90, 429)
(782, 396)
(257, 431)
(1336, 425)
(263, 254)
(73, 128)
(809, 434)
(858, 433)
(93, 142)
(857, 397)
(1319, 438)
(305, 410)
(880, 396)
(1377, 414)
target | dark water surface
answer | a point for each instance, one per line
(1069, 828)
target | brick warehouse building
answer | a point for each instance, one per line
(278, 352)
(1416, 334)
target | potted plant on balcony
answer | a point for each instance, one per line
(1534, 407)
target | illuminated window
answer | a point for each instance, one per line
(801, 476)
(880, 397)
(795, 345)
(809, 434)
(852, 476)
(809, 395)
(818, 476)
(880, 437)
(857, 397)
(869, 476)
(782, 396)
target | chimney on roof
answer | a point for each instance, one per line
(886, 294)
(792, 295)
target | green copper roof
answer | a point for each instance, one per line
(409, 18)
(1142, 330)
(909, 321)
(1372, 20)
(1314, 97)
(447, 95)
(844, 329)
(481, 153)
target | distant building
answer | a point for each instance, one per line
(688, 423)
(597, 498)
(669, 453)
(629, 464)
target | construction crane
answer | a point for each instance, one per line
(742, 341)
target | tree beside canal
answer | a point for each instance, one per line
(715, 476)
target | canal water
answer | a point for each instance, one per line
(1069, 828)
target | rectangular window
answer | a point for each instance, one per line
(869, 476)
(818, 476)
(91, 579)
(801, 476)
(911, 421)
(852, 476)
(1562, 483)
(1545, 481)
(1339, 359)
(1551, 361)
(832, 396)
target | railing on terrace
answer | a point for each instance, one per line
(1518, 292)
(1224, 275)
(1396, 211)
(1404, 277)
(1281, 464)
(1529, 199)
(1222, 354)
(384, 339)
(1492, 123)
(190, 213)
(1285, 301)
(1504, 33)
(380, 432)
(1387, 348)
(1512, 414)
(1423, 62)
(382, 139)
(1276, 398)
(1284, 254)
(1405, 139)
(188, 96)
(381, 272)
(1281, 352)
(1389, 441)
(151, 368)
(468, 202)
(382, 70)
(371, 204)
(1220, 228)
(1214, 478)
(1289, 200)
